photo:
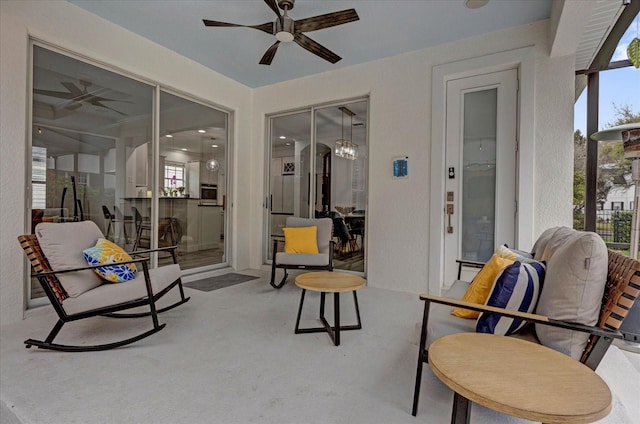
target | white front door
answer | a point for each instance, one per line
(480, 152)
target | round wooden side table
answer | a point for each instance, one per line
(519, 378)
(329, 282)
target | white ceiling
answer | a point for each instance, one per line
(386, 28)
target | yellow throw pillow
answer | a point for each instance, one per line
(481, 285)
(515, 255)
(107, 252)
(300, 240)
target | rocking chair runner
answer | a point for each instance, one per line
(105, 300)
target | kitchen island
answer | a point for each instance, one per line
(197, 226)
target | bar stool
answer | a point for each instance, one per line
(143, 230)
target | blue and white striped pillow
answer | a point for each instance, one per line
(517, 287)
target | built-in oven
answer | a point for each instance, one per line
(209, 194)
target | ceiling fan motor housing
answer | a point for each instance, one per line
(284, 29)
(286, 4)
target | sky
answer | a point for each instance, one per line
(619, 86)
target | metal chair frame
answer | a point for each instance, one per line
(621, 290)
(285, 267)
(56, 294)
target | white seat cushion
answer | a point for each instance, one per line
(299, 259)
(112, 294)
(441, 322)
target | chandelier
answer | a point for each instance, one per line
(346, 149)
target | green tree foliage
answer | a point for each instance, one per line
(612, 165)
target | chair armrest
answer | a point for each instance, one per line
(64, 271)
(159, 249)
(473, 264)
(171, 249)
(538, 319)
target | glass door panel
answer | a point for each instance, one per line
(479, 174)
(192, 187)
(289, 175)
(340, 178)
(91, 133)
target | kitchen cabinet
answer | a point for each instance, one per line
(282, 184)
(209, 235)
(193, 179)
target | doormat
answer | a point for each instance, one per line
(219, 282)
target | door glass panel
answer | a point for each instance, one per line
(192, 188)
(479, 174)
(289, 188)
(91, 141)
(340, 179)
(332, 185)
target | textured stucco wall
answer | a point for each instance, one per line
(64, 25)
(399, 124)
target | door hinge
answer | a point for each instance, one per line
(516, 206)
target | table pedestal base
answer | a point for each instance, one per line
(334, 332)
(461, 409)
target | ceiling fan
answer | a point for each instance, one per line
(77, 97)
(286, 29)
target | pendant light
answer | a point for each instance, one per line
(346, 149)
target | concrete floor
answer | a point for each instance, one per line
(231, 356)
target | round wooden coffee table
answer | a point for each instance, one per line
(518, 378)
(329, 282)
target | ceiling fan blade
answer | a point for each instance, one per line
(269, 54)
(73, 105)
(325, 21)
(73, 89)
(274, 6)
(58, 94)
(265, 27)
(315, 47)
(208, 22)
(98, 104)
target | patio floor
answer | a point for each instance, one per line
(230, 356)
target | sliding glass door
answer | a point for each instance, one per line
(96, 156)
(332, 185)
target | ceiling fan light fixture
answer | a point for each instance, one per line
(284, 36)
(475, 4)
(284, 29)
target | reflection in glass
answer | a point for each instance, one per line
(289, 176)
(92, 159)
(192, 193)
(88, 126)
(325, 186)
(479, 174)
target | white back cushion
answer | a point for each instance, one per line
(573, 290)
(62, 244)
(538, 247)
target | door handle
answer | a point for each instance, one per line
(449, 213)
